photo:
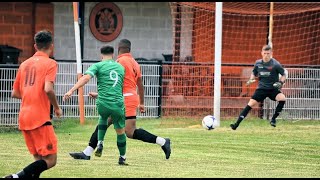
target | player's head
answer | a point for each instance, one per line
(266, 53)
(124, 46)
(43, 41)
(107, 52)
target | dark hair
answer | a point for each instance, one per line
(266, 48)
(43, 39)
(125, 43)
(107, 50)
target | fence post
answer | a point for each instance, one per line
(160, 89)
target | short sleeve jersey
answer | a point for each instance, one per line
(132, 72)
(268, 73)
(30, 81)
(110, 76)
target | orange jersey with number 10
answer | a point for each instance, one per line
(30, 81)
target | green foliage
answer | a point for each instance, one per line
(255, 149)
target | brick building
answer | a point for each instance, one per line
(146, 24)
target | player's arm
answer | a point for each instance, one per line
(16, 94)
(282, 79)
(81, 82)
(141, 94)
(284, 74)
(93, 95)
(16, 89)
(252, 78)
(49, 89)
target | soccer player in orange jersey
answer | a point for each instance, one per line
(34, 86)
(133, 100)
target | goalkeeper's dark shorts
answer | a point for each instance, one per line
(261, 94)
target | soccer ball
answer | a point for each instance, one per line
(209, 122)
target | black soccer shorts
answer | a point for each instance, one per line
(261, 94)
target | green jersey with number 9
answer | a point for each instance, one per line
(110, 76)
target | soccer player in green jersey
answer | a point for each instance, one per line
(110, 101)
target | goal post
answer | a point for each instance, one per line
(270, 25)
(217, 61)
(191, 79)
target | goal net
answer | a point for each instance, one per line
(292, 28)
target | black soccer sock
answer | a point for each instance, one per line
(243, 114)
(36, 176)
(33, 170)
(144, 136)
(278, 109)
(94, 138)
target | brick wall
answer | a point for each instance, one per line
(17, 24)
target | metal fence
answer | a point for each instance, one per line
(9, 107)
(302, 89)
(66, 78)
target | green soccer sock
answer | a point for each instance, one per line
(102, 129)
(122, 144)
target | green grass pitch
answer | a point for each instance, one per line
(255, 149)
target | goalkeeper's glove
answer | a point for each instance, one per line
(250, 81)
(278, 84)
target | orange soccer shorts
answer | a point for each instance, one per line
(41, 141)
(131, 104)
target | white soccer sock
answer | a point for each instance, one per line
(160, 141)
(88, 151)
(124, 156)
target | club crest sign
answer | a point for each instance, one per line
(106, 21)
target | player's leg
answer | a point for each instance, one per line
(102, 130)
(118, 117)
(87, 152)
(257, 97)
(244, 113)
(41, 142)
(145, 136)
(131, 103)
(104, 112)
(32, 171)
(41, 164)
(122, 145)
(278, 96)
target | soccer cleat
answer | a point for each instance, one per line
(79, 155)
(166, 148)
(9, 176)
(16, 175)
(98, 152)
(233, 126)
(122, 161)
(273, 122)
